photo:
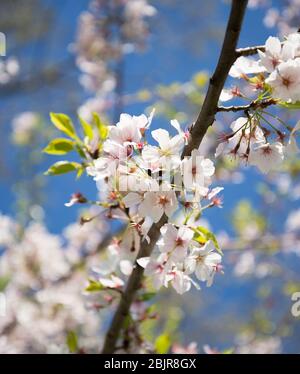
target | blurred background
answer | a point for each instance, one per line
(151, 54)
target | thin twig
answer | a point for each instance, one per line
(249, 51)
(204, 120)
(233, 108)
(253, 105)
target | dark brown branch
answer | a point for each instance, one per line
(249, 51)
(204, 120)
(234, 108)
(226, 60)
(253, 105)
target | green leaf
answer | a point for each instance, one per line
(80, 151)
(94, 286)
(286, 105)
(202, 235)
(80, 172)
(87, 128)
(162, 344)
(72, 342)
(102, 128)
(62, 167)
(59, 146)
(63, 123)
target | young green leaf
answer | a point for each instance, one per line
(102, 128)
(80, 151)
(62, 167)
(80, 172)
(295, 105)
(72, 342)
(63, 123)
(59, 146)
(203, 233)
(94, 286)
(87, 128)
(162, 344)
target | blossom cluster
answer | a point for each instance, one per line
(107, 31)
(180, 256)
(46, 292)
(283, 15)
(275, 79)
(144, 183)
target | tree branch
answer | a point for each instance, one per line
(204, 120)
(253, 105)
(227, 58)
(249, 51)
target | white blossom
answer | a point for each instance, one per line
(155, 204)
(168, 152)
(244, 66)
(275, 53)
(175, 241)
(267, 156)
(285, 81)
(197, 172)
(204, 261)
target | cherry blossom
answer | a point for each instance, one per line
(101, 43)
(292, 147)
(275, 53)
(245, 133)
(244, 66)
(285, 80)
(204, 262)
(168, 152)
(155, 204)
(180, 256)
(255, 139)
(157, 269)
(267, 156)
(180, 281)
(175, 241)
(228, 94)
(126, 132)
(76, 198)
(105, 167)
(197, 172)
